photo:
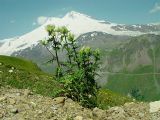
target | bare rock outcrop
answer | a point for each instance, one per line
(18, 104)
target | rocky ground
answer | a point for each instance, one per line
(18, 104)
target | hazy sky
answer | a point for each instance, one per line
(20, 16)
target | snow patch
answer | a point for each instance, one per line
(93, 34)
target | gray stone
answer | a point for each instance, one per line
(33, 104)
(141, 115)
(78, 118)
(27, 92)
(59, 100)
(11, 101)
(98, 112)
(3, 98)
(1, 115)
(14, 110)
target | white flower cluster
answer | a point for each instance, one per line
(11, 70)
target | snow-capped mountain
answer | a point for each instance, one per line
(77, 23)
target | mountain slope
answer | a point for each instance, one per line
(104, 41)
(135, 52)
(135, 67)
(20, 73)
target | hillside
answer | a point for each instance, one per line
(23, 74)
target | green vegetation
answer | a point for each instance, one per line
(107, 99)
(42, 83)
(135, 68)
(76, 73)
(19, 64)
(23, 74)
(137, 79)
(136, 93)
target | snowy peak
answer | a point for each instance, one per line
(74, 15)
(78, 24)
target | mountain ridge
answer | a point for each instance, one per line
(77, 23)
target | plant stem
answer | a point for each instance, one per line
(69, 57)
(56, 52)
(75, 53)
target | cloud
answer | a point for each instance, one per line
(67, 9)
(155, 9)
(60, 15)
(34, 23)
(156, 23)
(41, 20)
(12, 21)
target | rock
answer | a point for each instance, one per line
(11, 101)
(3, 99)
(49, 115)
(54, 107)
(131, 118)
(14, 110)
(9, 106)
(27, 92)
(129, 104)
(40, 112)
(59, 100)
(141, 115)
(78, 118)
(1, 115)
(18, 94)
(117, 113)
(154, 106)
(98, 113)
(33, 104)
(68, 100)
(23, 107)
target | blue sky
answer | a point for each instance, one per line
(18, 17)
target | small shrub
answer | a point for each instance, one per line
(136, 93)
(77, 73)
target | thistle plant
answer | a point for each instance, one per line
(53, 41)
(64, 34)
(74, 48)
(79, 80)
